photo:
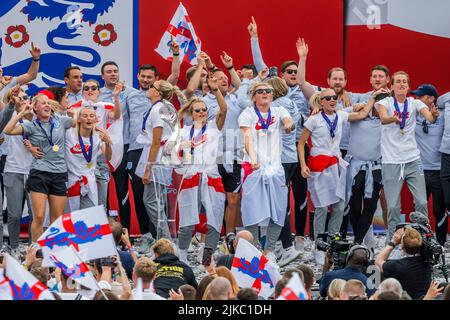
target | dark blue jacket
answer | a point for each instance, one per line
(346, 274)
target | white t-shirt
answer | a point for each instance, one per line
(267, 147)
(19, 159)
(76, 163)
(205, 148)
(397, 148)
(320, 133)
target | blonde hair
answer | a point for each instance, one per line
(94, 81)
(280, 88)
(8, 95)
(256, 85)
(163, 246)
(77, 116)
(145, 269)
(166, 90)
(314, 101)
(399, 73)
(186, 110)
(335, 288)
(226, 273)
(412, 241)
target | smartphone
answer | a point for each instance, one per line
(273, 72)
(108, 262)
(39, 254)
(207, 254)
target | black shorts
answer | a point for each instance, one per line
(231, 181)
(47, 182)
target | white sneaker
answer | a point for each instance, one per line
(319, 256)
(300, 244)
(272, 258)
(278, 252)
(289, 255)
(199, 252)
(182, 255)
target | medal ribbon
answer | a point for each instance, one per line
(197, 138)
(146, 114)
(264, 124)
(52, 126)
(332, 125)
(405, 111)
(86, 155)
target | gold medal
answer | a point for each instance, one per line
(90, 165)
(55, 148)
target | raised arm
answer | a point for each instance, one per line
(256, 50)
(12, 128)
(195, 80)
(34, 67)
(302, 49)
(222, 114)
(117, 112)
(228, 63)
(176, 62)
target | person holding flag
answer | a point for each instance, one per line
(84, 144)
(202, 184)
(264, 190)
(48, 176)
(399, 151)
(107, 115)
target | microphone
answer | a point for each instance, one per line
(419, 218)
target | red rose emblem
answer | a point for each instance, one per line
(17, 36)
(104, 34)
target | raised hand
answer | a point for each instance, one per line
(104, 136)
(302, 48)
(226, 60)
(35, 51)
(118, 88)
(263, 74)
(174, 46)
(253, 28)
(213, 82)
(207, 59)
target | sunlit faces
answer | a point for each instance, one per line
(222, 81)
(379, 79)
(75, 80)
(400, 84)
(337, 81)
(262, 95)
(87, 118)
(110, 75)
(42, 107)
(146, 78)
(290, 75)
(328, 100)
(199, 111)
(91, 91)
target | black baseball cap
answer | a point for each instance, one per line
(425, 89)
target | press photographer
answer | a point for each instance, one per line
(412, 270)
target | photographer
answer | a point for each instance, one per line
(226, 260)
(413, 273)
(357, 259)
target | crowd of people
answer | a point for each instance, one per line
(242, 140)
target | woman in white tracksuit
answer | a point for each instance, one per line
(326, 170)
(264, 190)
(201, 184)
(83, 146)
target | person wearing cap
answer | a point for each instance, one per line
(443, 103)
(428, 138)
(400, 156)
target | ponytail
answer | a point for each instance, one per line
(314, 101)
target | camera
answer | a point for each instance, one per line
(229, 240)
(336, 245)
(108, 262)
(273, 72)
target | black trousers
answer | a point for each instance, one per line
(2, 186)
(435, 187)
(138, 191)
(300, 191)
(362, 209)
(285, 234)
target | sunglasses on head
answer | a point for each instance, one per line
(200, 110)
(93, 88)
(291, 71)
(328, 98)
(261, 91)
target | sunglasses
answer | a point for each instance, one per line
(328, 98)
(93, 88)
(291, 71)
(153, 86)
(261, 91)
(24, 98)
(201, 110)
(425, 126)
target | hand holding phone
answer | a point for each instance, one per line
(207, 254)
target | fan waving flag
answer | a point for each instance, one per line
(23, 285)
(87, 231)
(253, 270)
(182, 30)
(294, 289)
(72, 265)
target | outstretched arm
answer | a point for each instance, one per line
(256, 50)
(362, 114)
(34, 67)
(117, 112)
(430, 114)
(176, 62)
(302, 49)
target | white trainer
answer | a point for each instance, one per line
(289, 255)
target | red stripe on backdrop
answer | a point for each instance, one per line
(224, 27)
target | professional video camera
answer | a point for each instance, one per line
(431, 251)
(336, 245)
